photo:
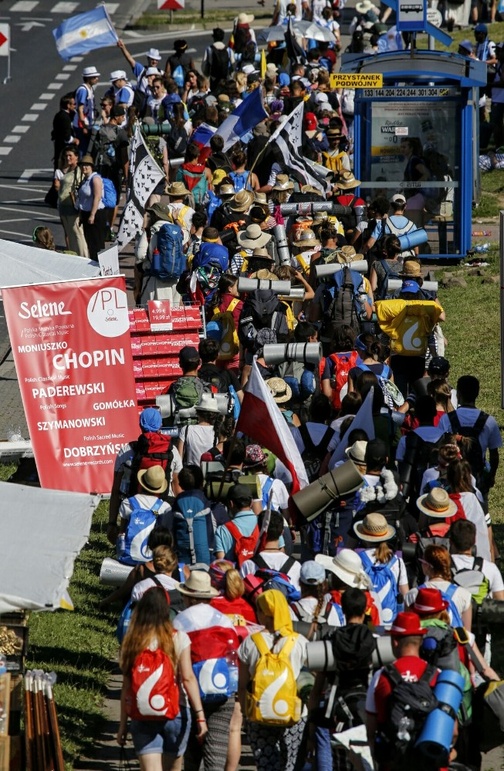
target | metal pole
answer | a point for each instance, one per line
(501, 260)
(202, 9)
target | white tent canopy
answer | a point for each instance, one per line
(42, 532)
(21, 265)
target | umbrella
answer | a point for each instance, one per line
(277, 33)
(314, 32)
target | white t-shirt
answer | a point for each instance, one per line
(475, 514)
(197, 440)
(278, 492)
(274, 561)
(309, 605)
(489, 570)
(461, 597)
(145, 501)
(141, 587)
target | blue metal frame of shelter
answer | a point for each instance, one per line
(426, 76)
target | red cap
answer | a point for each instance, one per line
(310, 121)
(406, 624)
(429, 600)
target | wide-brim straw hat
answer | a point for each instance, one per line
(411, 269)
(153, 479)
(281, 391)
(199, 586)
(374, 528)
(306, 239)
(347, 565)
(347, 181)
(347, 254)
(87, 160)
(253, 237)
(357, 452)
(282, 183)
(242, 201)
(177, 189)
(437, 503)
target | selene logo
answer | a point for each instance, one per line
(41, 310)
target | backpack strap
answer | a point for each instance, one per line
(266, 491)
(260, 562)
(450, 591)
(289, 562)
(234, 530)
(480, 422)
(305, 436)
(157, 506)
(478, 564)
(454, 421)
(232, 305)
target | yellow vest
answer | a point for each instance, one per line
(408, 323)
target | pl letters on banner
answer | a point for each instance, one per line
(72, 351)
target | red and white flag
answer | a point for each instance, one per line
(261, 419)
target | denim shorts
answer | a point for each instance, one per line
(158, 737)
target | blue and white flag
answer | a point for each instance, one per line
(85, 32)
(242, 120)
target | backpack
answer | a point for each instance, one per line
(138, 529)
(343, 363)
(262, 310)
(192, 528)
(219, 63)
(342, 303)
(109, 194)
(154, 693)
(410, 702)
(168, 260)
(150, 449)
(177, 142)
(127, 611)
(240, 180)
(382, 292)
(104, 147)
(474, 454)
(313, 454)
(419, 455)
(266, 578)
(187, 391)
(473, 579)
(272, 698)
(424, 539)
(229, 344)
(195, 181)
(383, 583)
(178, 75)
(244, 545)
(453, 611)
(217, 382)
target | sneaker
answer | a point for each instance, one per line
(111, 236)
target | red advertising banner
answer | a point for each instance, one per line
(72, 351)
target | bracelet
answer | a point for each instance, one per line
(201, 721)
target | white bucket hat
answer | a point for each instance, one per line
(199, 586)
(347, 565)
(90, 72)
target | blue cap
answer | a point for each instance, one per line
(481, 28)
(150, 419)
(312, 573)
(410, 286)
(214, 330)
(284, 79)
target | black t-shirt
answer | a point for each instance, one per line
(209, 372)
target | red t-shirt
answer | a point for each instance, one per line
(238, 607)
(411, 669)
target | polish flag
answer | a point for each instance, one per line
(261, 419)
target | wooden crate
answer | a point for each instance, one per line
(4, 753)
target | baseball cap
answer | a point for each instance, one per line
(117, 111)
(310, 121)
(481, 28)
(410, 286)
(398, 198)
(438, 365)
(312, 573)
(466, 45)
(188, 353)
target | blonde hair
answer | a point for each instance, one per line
(164, 559)
(383, 553)
(233, 587)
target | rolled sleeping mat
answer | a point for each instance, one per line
(394, 284)
(114, 573)
(308, 353)
(320, 654)
(313, 499)
(322, 271)
(166, 405)
(252, 284)
(309, 207)
(383, 654)
(413, 238)
(296, 293)
(435, 738)
(283, 251)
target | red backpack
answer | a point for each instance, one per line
(154, 693)
(151, 449)
(343, 363)
(244, 545)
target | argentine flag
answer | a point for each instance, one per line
(85, 32)
(242, 120)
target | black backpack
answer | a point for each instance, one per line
(104, 147)
(219, 64)
(474, 454)
(342, 303)
(262, 310)
(177, 142)
(314, 454)
(419, 455)
(409, 706)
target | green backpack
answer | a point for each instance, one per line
(187, 391)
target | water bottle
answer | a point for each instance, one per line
(156, 262)
(403, 733)
(232, 662)
(120, 545)
(481, 248)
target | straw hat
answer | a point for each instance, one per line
(177, 189)
(306, 239)
(199, 586)
(261, 253)
(407, 625)
(282, 392)
(357, 452)
(364, 7)
(242, 201)
(411, 269)
(253, 237)
(260, 198)
(283, 182)
(437, 503)
(245, 18)
(347, 254)
(374, 528)
(226, 189)
(87, 160)
(153, 479)
(347, 565)
(347, 181)
(263, 274)
(429, 600)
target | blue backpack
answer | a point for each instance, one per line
(276, 579)
(384, 584)
(192, 528)
(241, 180)
(140, 524)
(453, 611)
(109, 195)
(168, 259)
(266, 492)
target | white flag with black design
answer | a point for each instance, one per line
(288, 138)
(144, 175)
